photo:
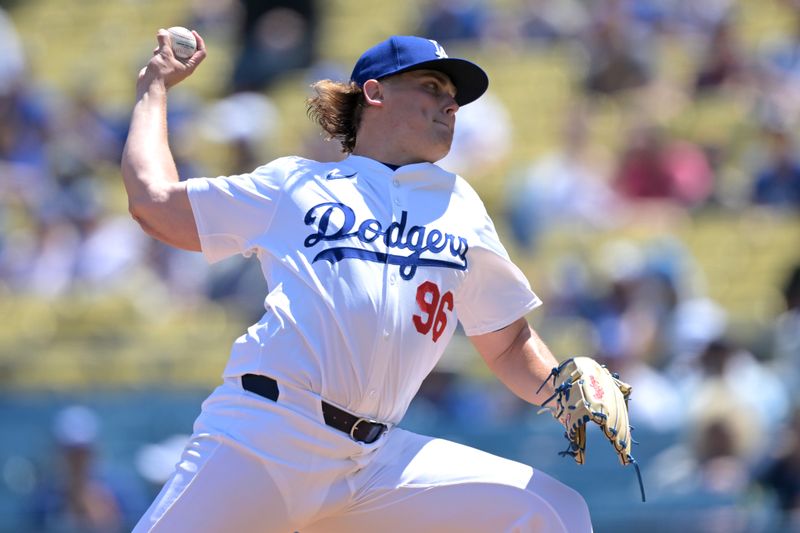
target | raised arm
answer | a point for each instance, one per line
(157, 200)
(519, 358)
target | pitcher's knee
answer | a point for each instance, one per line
(567, 503)
(573, 510)
(538, 518)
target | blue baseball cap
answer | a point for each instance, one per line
(402, 53)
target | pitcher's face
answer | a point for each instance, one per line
(420, 107)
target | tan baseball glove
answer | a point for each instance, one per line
(586, 391)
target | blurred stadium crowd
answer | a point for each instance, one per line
(610, 228)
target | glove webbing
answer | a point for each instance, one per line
(572, 447)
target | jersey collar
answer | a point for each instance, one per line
(366, 164)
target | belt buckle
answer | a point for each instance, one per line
(369, 421)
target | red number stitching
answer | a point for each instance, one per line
(440, 323)
(434, 307)
(427, 289)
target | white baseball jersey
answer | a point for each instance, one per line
(369, 270)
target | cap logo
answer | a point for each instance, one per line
(440, 53)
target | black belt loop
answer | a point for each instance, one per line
(360, 429)
(261, 385)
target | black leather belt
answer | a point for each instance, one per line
(360, 429)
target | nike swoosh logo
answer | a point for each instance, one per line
(336, 174)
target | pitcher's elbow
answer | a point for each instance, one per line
(141, 212)
(136, 210)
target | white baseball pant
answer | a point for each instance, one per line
(254, 465)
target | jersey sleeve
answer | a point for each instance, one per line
(231, 212)
(495, 292)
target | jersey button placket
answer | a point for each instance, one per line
(378, 374)
(395, 192)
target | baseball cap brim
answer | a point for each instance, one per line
(469, 79)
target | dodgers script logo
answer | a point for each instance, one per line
(396, 236)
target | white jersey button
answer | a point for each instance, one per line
(386, 334)
(396, 182)
(392, 279)
(372, 393)
(397, 201)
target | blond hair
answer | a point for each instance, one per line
(337, 109)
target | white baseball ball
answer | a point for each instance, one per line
(183, 42)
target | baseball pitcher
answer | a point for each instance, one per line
(371, 262)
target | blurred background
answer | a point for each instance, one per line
(639, 158)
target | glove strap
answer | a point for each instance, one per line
(638, 475)
(553, 374)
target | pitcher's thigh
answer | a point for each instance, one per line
(420, 484)
(471, 507)
(216, 488)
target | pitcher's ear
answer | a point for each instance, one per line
(373, 92)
